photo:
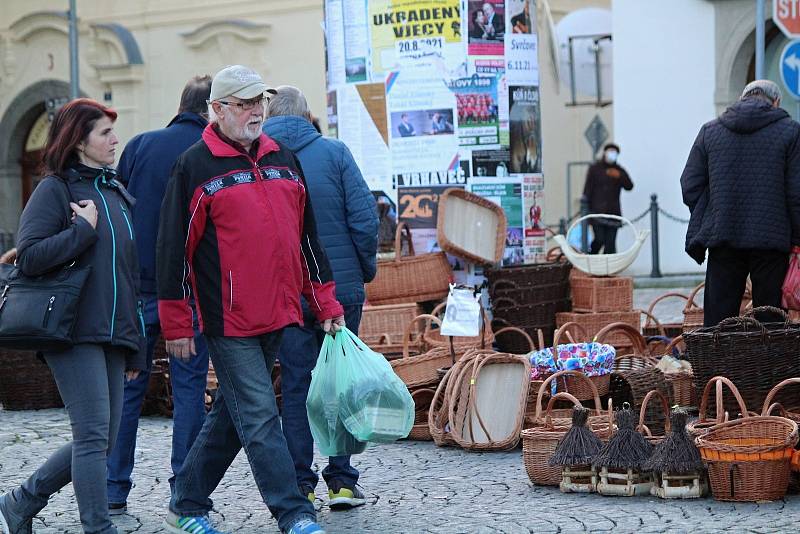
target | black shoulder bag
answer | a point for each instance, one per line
(39, 312)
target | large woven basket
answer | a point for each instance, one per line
(421, 370)
(702, 424)
(569, 384)
(653, 327)
(749, 460)
(410, 278)
(601, 294)
(530, 317)
(531, 275)
(471, 227)
(423, 398)
(562, 417)
(539, 442)
(525, 344)
(594, 322)
(26, 382)
(753, 355)
(382, 328)
(529, 294)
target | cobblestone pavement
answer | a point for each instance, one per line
(411, 487)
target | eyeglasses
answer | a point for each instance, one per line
(247, 105)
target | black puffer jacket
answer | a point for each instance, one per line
(742, 181)
(109, 312)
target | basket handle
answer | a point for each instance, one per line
(690, 303)
(774, 391)
(731, 323)
(407, 334)
(674, 344)
(398, 241)
(563, 330)
(652, 320)
(623, 220)
(496, 302)
(776, 406)
(718, 381)
(385, 337)
(546, 384)
(521, 332)
(639, 343)
(751, 312)
(664, 407)
(553, 255)
(659, 299)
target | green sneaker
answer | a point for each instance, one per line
(308, 491)
(343, 497)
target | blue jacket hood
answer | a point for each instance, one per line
(292, 130)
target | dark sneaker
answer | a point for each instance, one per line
(194, 525)
(308, 491)
(305, 526)
(117, 508)
(344, 497)
(11, 523)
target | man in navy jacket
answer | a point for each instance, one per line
(347, 222)
(145, 168)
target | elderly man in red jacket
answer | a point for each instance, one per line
(237, 231)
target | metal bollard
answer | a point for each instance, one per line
(584, 225)
(562, 226)
(655, 272)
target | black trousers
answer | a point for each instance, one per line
(726, 276)
(605, 237)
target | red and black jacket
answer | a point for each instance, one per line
(237, 232)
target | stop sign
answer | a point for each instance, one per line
(786, 15)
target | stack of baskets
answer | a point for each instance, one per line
(600, 301)
(528, 297)
(26, 382)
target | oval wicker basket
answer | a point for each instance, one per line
(702, 424)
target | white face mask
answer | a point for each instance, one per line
(611, 156)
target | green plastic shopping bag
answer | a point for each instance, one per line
(322, 405)
(374, 403)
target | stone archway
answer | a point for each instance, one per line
(15, 124)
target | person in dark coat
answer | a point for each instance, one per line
(742, 186)
(145, 166)
(605, 180)
(80, 213)
(347, 220)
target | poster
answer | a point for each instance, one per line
(524, 129)
(415, 34)
(478, 112)
(534, 228)
(362, 125)
(423, 125)
(333, 115)
(491, 163)
(334, 43)
(508, 195)
(521, 43)
(356, 40)
(486, 23)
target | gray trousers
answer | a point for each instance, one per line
(90, 380)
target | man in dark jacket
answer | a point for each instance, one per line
(237, 231)
(605, 180)
(742, 186)
(347, 220)
(145, 166)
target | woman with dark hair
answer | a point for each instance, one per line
(80, 213)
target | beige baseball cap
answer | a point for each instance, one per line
(239, 81)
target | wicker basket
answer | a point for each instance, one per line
(693, 314)
(431, 337)
(654, 327)
(471, 227)
(382, 328)
(539, 443)
(594, 322)
(599, 294)
(529, 316)
(578, 388)
(755, 356)
(26, 382)
(469, 428)
(421, 370)
(520, 342)
(423, 398)
(562, 417)
(790, 409)
(531, 275)
(529, 294)
(749, 460)
(682, 390)
(702, 424)
(410, 278)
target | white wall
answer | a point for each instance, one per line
(663, 92)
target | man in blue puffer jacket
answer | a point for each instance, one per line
(347, 222)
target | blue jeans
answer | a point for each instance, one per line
(188, 395)
(298, 355)
(244, 415)
(89, 379)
